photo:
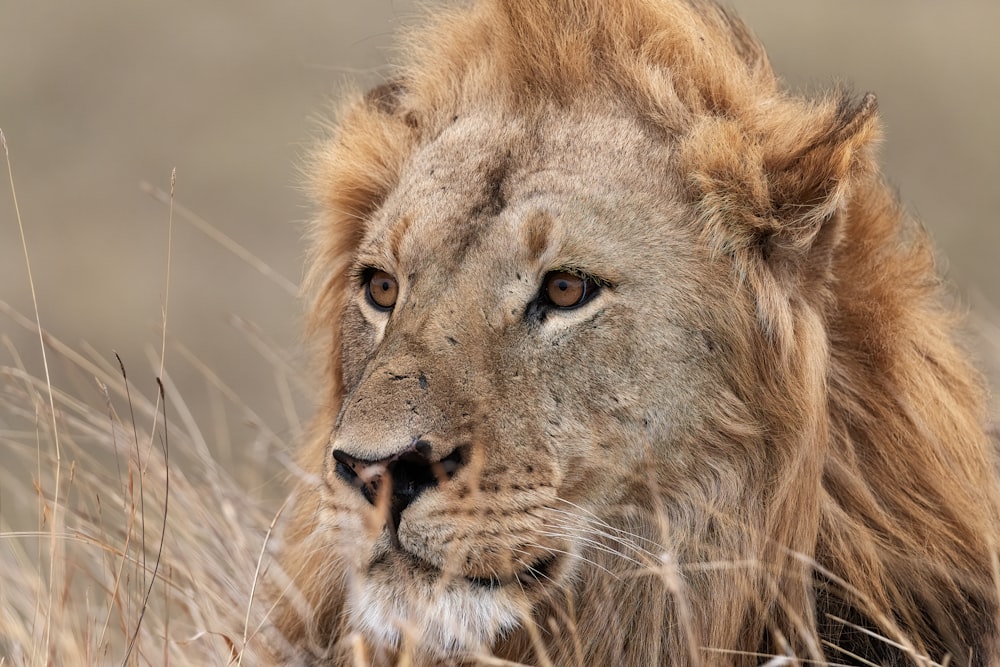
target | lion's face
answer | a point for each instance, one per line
(521, 346)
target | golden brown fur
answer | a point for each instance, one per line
(759, 438)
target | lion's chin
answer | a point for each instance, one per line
(394, 605)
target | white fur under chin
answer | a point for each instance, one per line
(439, 620)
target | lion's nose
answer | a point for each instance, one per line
(403, 476)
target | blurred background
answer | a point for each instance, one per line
(97, 98)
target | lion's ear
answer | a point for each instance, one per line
(768, 190)
(765, 186)
(387, 98)
(809, 172)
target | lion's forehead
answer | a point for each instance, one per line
(491, 189)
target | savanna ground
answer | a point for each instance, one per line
(99, 101)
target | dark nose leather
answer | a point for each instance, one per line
(403, 476)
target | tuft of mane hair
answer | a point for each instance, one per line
(886, 504)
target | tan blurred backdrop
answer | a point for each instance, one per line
(97, 97)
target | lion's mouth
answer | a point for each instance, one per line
(530, 576)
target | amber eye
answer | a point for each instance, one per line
(568, 290)
(382, 290)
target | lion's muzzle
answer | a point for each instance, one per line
(396, 481)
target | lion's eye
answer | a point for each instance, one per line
(382, 290)
(568, 290)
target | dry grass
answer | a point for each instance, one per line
(152, 554)
(128, 540)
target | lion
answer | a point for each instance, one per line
(631, 357)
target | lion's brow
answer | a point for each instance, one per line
(535, 233)
(398, 233)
